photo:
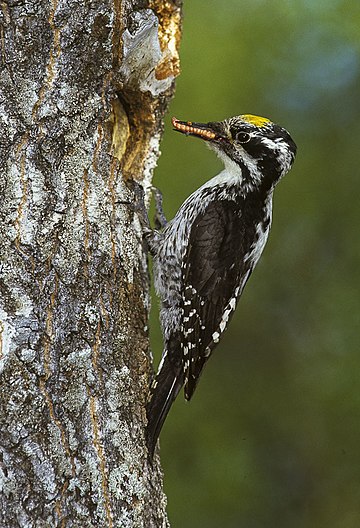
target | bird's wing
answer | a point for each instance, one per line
(214, 273)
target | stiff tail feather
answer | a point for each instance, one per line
(167, 385)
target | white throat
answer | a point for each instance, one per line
(234, 171)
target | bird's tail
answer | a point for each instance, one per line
(165, 388)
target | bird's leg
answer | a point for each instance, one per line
(160, 218)
(150, 236)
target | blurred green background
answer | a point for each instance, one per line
(272, 436)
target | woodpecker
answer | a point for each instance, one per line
(206, 254)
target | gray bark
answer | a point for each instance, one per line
(83, 90)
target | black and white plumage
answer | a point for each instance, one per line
(205, 255)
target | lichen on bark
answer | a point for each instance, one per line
(83, 92)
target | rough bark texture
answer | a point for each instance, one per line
(83, 90)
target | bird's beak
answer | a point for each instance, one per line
(202, 130)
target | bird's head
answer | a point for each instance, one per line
(260, 151)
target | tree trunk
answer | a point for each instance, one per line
(83, 90)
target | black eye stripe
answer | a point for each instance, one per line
(258, 150)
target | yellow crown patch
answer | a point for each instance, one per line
(255, 120)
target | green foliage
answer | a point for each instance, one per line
(271, 438)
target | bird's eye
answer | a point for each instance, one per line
(242, 137)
